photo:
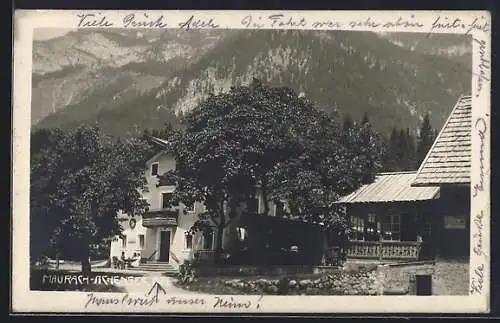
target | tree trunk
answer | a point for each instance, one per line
(220, 233)
(264, 198)
(85, 259)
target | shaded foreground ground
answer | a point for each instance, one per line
(449, 277)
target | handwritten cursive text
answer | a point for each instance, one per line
(483, 66)
(478, 245)
(481, 131)
(443, 23)
(195, 23)
(93, 20)
(231, 303)
(125, 300)
(143, 21)
(477, 281)
(185, 301)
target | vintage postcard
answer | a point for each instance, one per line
(251, 162)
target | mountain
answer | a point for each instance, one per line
(127, 82)
(457, 47)
(107, 67)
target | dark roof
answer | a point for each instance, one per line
(391, 187)
(448, 161)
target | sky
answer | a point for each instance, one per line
(48, 33)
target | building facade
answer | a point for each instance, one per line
(447, 166)
(162, 235)
(390, 219)
(418, 215)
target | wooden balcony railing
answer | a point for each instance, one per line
(163, 217)
(408, 250)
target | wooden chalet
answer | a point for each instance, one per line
(418, 215)
(389, 218)
(447, 166)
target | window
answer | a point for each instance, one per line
(241, 234)
(124, 241)
(280, 209)
(189, 240)
(189, 208)
(165, 200)
(427, 229)
(357, 228)
(391, 227)
(154, 169)
(253, 205)
(208, 240)
(454, 222)
(372, 230)
(141, 241)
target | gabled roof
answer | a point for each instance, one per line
(391, 187)
(161, 142)
(448, 161)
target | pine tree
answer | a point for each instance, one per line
(392, 160)
(410, 150)
(348, 123)
(425, 139)
(146, 134)
(365, 119)
(401, 149)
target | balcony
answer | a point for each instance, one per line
(383, 250)
(162, 217)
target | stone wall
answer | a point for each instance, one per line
(451, 277)
(448, 278)
(339, 283)
(400, 279)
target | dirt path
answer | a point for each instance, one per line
(145, 283)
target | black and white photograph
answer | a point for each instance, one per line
(269, 162)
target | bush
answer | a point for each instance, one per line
(186, 273)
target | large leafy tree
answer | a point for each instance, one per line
(80, 179)
(270, 138)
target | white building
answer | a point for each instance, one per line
(162, 234)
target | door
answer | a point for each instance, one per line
(164, 246)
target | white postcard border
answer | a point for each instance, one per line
(470, 22)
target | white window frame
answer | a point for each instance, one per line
(245, 230)
(356, 223)
(204, 247)
(391, 224)
(161, 198)
(191, 209)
